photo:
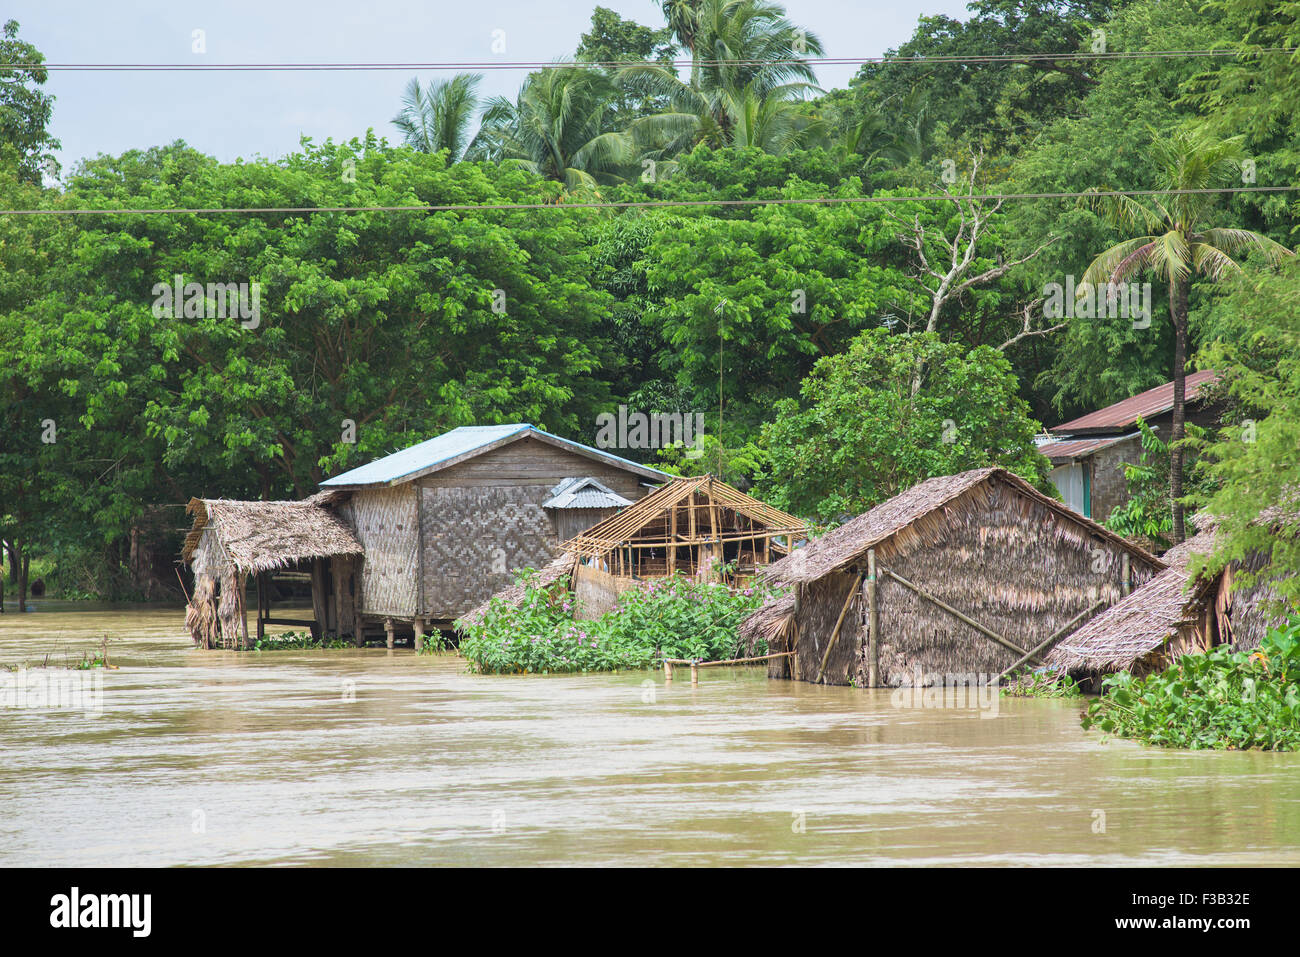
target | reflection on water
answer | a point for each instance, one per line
(385, 757)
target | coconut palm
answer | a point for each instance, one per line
(1176, 242)
(748, 77)
(555, 128)
(439, 117)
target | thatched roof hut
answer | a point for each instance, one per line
(1170, 616)
(966, 574)
(264, 536)
(231, 540)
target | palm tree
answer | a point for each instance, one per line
(555, 128)
(439, 118)
(748, 77)
(1175, 242)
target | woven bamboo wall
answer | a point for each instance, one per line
(482, 520)
(384, 520)
(597, 591)
(474, 540)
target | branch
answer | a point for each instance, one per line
(1027, 329)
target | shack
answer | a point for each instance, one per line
(698, 527)
(971, 573)
(1170, 616)
(419, 537)
(233, 540)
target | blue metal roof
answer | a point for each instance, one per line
(394, 468)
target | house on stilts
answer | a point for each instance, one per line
(410, 542)
(971, 573)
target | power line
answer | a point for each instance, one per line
(645, 204)
(466, 65)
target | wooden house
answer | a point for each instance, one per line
(1088, 454)
(442, 525)
(971, 573)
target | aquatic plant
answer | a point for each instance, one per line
(291, 640)
(671, 617)
(1043, 683)
(1220, 699)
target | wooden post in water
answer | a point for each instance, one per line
(695, 673)
(388, 631)
(261, 624)
(417, 642)
(873, 623)
(243, 610)
(668, 670)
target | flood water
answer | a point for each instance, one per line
(374, 757)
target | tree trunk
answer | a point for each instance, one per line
(12, 549)
(1178, 293)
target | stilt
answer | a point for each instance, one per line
(695, 674)
(668, 670)
(417, 642)
(873, 623)
(261, 623)
(388, 631)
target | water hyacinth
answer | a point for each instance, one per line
(673, 618)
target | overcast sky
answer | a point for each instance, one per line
(232, 115)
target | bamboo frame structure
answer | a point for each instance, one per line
(644, 539)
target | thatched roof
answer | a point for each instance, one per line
(513, 596)
(1140, 623)
(628, 525)
(916, 515)
(262, 536)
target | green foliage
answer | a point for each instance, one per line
(1251, 471)
(296, 640)
(1221, 699)
(669, 618)
(25, 110)
(1146, 512)
(1043, 683)
(861, 435)
(439, 117)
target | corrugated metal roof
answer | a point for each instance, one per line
(1124, 414)
(1078, 448)
(466, 440)
(585, 492)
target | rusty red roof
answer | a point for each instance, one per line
(1059, 452)
(1124, 414)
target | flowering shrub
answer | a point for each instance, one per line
(668, 618)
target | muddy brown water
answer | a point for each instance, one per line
(373, 757)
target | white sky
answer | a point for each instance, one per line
(231, 115)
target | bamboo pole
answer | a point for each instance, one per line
(839, 622)
(1125, 574)
(1055, 637)
(873, 623)
(988, 632)
(669, 662)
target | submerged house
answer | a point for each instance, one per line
(435, 529)
(1170, 616)
(971, 573)
(231, 541)
(697, 527)
(1088, 453)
